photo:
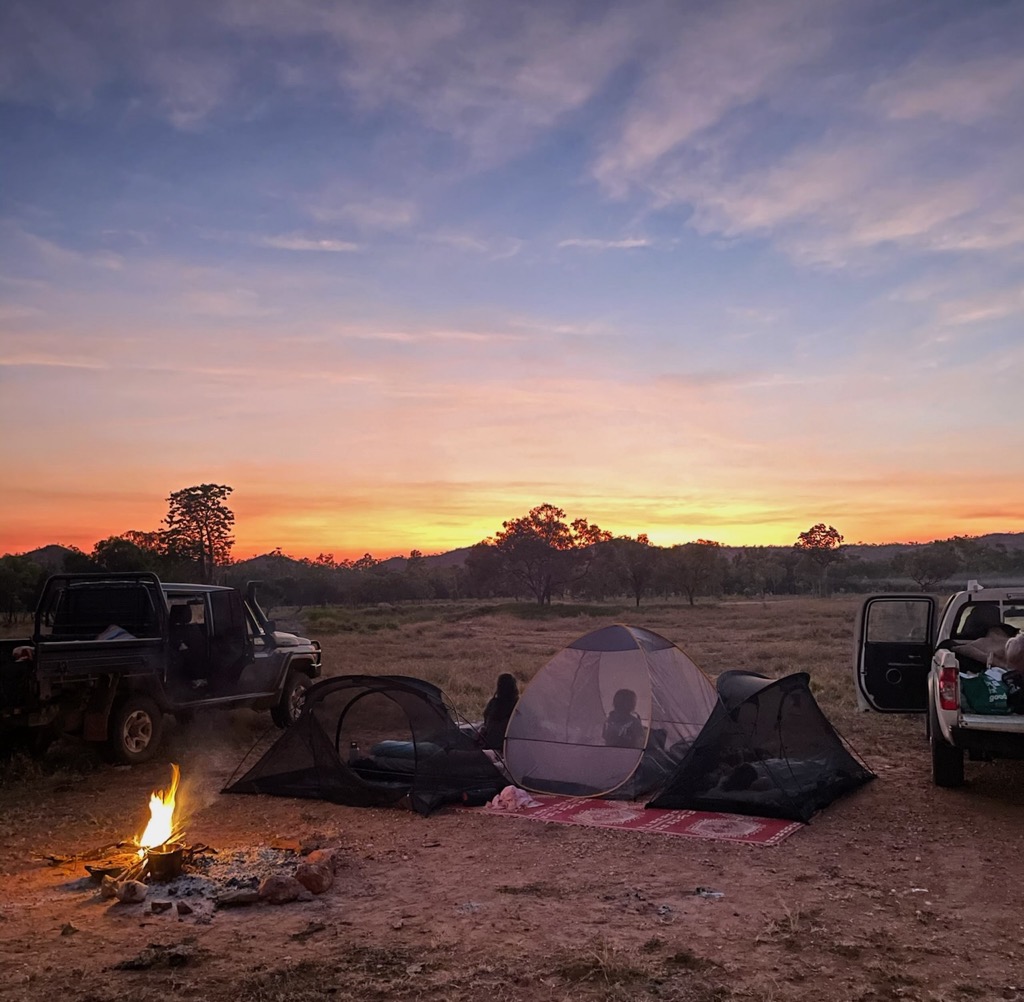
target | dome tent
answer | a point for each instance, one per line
(374, 741)
(558, 739)
(768, 750)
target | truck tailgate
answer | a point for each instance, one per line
(1005, 723)
(67, 659)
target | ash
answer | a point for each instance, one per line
(211, 875)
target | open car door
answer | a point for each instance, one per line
(895, 639)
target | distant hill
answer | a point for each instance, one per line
(453, 558)
(50, 558)
(267, 563)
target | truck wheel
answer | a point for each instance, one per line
(947, 761)
(136, 728)
(292, 699)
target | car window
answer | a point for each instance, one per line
(892, 622)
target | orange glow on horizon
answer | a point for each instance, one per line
(384, 539)
(393, 519)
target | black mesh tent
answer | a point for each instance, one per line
(370, 741)
(767, 750)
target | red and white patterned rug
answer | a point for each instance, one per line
(634, 817)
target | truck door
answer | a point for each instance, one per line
(230, 647)
(895, 638)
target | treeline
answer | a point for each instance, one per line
(627, 569)
(540, 557)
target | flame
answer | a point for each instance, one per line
(161, 815)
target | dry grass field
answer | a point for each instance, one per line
(900, 891)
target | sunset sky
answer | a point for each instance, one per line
(399, 271)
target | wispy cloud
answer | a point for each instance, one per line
(226, 304)
(481, 73)
(46, 57)
(295, 242)
(906, 161)
(57, 255)
(709, 61)
(431, 335)
(190, 85)
(495, 247)
(27, 360)
(11, 313)
(368, 212)
(592, 243)
(993, 305)
(946, 84)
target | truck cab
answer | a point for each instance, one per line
(905, 662)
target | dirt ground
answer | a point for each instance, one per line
(899, 891)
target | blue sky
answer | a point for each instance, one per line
(399, 271)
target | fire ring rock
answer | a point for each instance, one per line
(279, 889)
(314, 877)
(131, 892)
(328, 858)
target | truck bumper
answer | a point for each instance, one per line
(983, 743)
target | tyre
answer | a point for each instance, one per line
(292, 699)
(947, 761)
(135, 731)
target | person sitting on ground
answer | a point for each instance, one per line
(498, 711)
(624, 728)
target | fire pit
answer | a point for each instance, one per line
(194, 882)
(165, 862)
(158, 855)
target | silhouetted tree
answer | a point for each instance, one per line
(821, 545)
(77, 562)
(199, 526)
(19, 581)
(116, 553)
(485, 571)
(544, 553)
(637, 563)
(365, 563)
(929, 565)
(758, 570)
(696, 568)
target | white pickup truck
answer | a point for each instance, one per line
(903, 664)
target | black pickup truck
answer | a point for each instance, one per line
(112, 654)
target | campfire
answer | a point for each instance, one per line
(195, 880)
(160, 850)
(157, 855)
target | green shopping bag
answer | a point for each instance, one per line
(983, 693)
